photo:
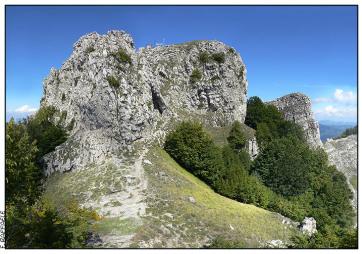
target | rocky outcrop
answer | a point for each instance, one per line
(253, 148)
(296, 107)
(111, 95)
(308, 226)
(343, 154)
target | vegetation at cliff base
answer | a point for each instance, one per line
(31, 220)
(287, 176)
(269, 122)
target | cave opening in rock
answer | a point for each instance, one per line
(158, 102)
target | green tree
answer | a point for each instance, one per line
(290, 129)
(30, 221)
(21, 173)
(254, 112)
(236, 138)
(41, 225)
(287, 177)
(46, 228)
(281, 166)
(194, 149)
(263, 134)
(44, 131)
(349, 131)
(349, 239)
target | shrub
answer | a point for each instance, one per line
(113, 82)
(244, 159)
(32, 222)
(254, 112)
(63, 97)
(223, 243)
(218, 57)
(204, 57)
(331, 238)
(122, 56)
(263, 134)
(89, 49)
(22, 176)
(269, 122)
(43, 226)
(290, 129)
(215, 78)
(282, 166)
(288, 178)
(195, 76)
(258, 112)
(236, 137)
(194, 149)
(44, 131)
(231, 51)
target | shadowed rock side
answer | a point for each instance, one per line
(297, 107)
(343, 154)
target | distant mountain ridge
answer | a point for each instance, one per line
(333, 130)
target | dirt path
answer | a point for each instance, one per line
(129, 203)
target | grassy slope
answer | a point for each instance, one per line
(210, 216)
(171, 219)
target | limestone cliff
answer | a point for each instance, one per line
(296, 107)
(111, 95)
(343, 154)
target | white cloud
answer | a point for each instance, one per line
(26, 109)
(336, 112)
(339, 96)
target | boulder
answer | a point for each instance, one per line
(308, 226)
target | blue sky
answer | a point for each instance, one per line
(286, 49)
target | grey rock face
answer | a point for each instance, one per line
(343, 154)
(296, 107)
(308, 226)
(111, 95)
(253, 148)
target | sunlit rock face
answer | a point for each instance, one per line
(151, 88)
(297, 107)
(342, 153)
